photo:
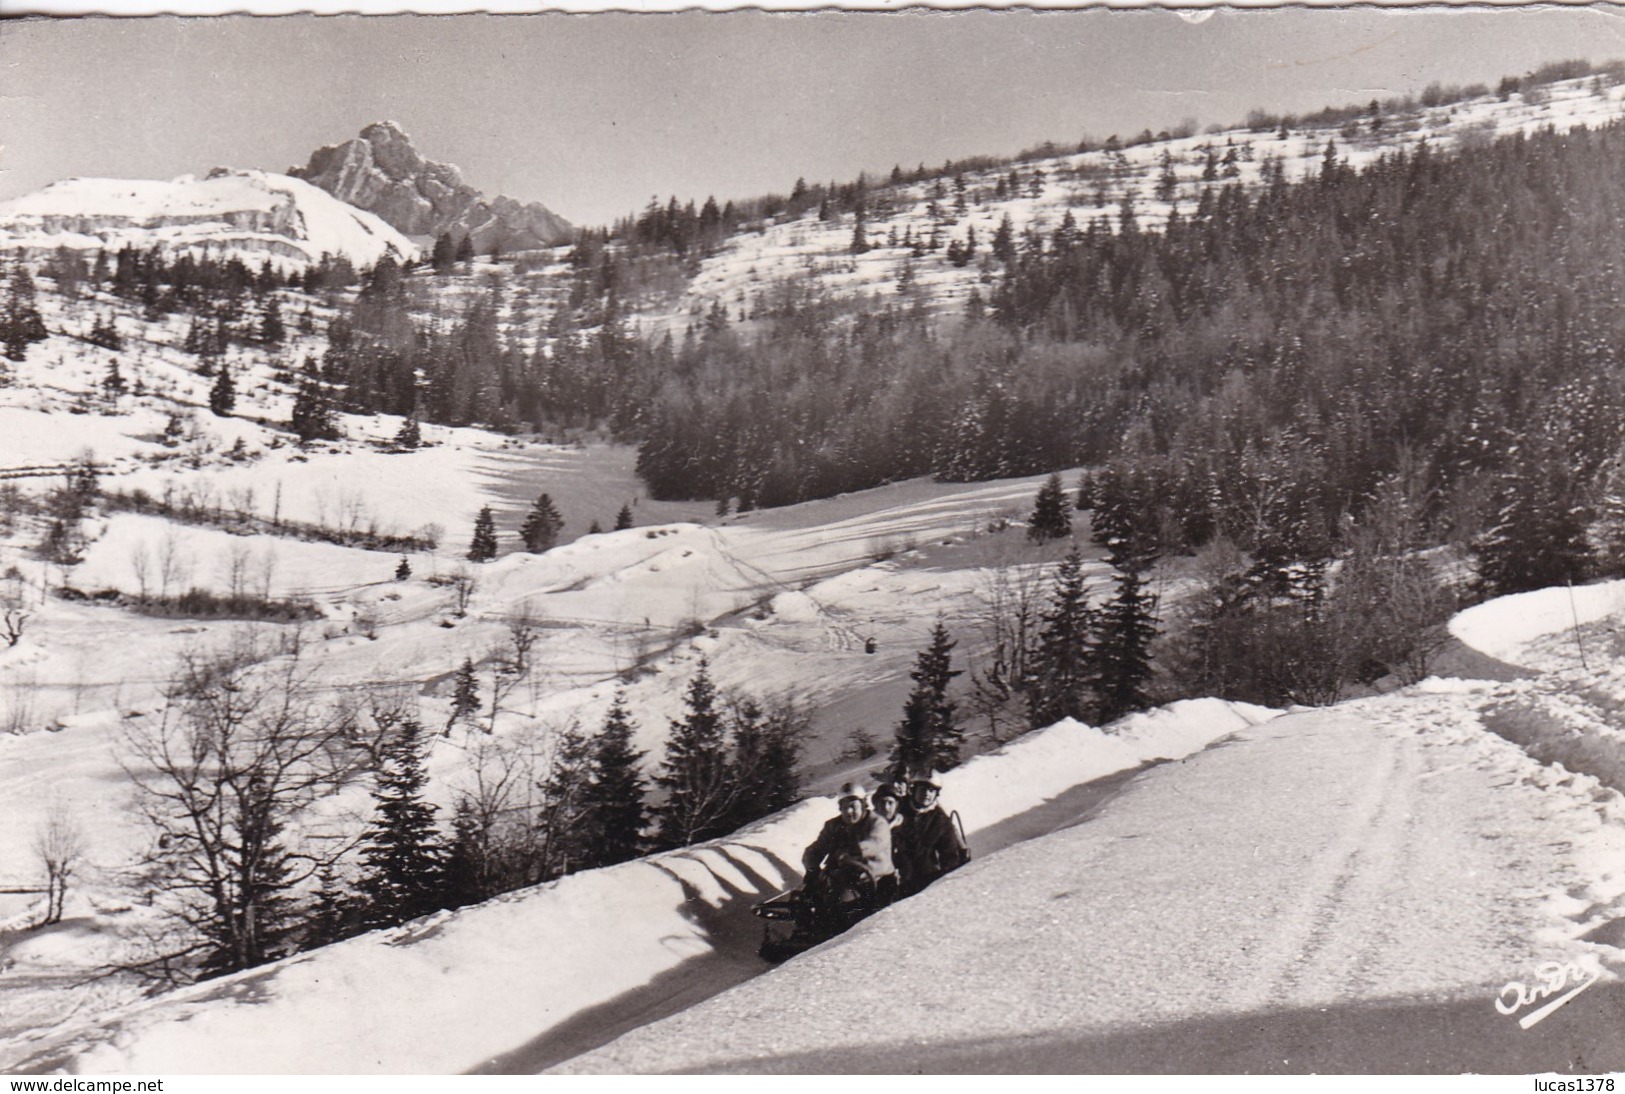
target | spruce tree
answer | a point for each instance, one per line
(334, 918)
(695, 773)
(409, 435)
(404, 570)
(1052, 513)
(928, 738)
(483, 547)
(21, 324)
(766, 749)
(542, 526)
(465, 250)
(444, 255)
(467, 873)
(465, 696)
(223, 395)
(401, 852)
(312, 417)
(113, 383)
(564, 816)
(623, 519)
(617, 788)
(1127, 627)
(1539, 538)
(272, 329)
(1062, 666)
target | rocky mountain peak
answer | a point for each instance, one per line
(382, 171)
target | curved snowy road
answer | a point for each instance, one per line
(1339, 890)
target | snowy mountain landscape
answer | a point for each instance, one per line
(428, 629)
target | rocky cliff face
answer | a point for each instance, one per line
(382, 172)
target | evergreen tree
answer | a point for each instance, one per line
(103, 333)
(312, 418)
(465, 696)
(334, 918)
(1004, 240)
(766, 749)
(223, 395)
(404, 570)
(860, 232)
(467, 872)
(623, 519)
(444, 255)
(928, 738)
(272, 329)
(595, 529)
(409, 435)
(542, 526)
(21, 324)
(401, 854)
(615, 793)
(1539, 538)
(483, 547)
(465, 250)
(1052, 513)
(695, 774)
(564, 816)
(1127, 627)
(113, 383)
(1062, 666)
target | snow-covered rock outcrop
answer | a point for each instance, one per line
(381, 171)
(254, 214)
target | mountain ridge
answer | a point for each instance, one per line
(257, 214)
(382, 171)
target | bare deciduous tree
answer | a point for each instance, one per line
(59, 844)
(14, 610)
(141, 567)
(236, 565)
(240, 750)
(173, 567)
(1012, 597)
(462, 584)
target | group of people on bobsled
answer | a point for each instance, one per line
(882, 846)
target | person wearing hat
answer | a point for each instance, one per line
(888, 805)
(895, 779)
(928, 839)
(852, 848)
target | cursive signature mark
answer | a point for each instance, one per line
(1553, 977)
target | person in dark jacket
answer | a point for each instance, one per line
(852, 853)
(896, 779)
(928, 839)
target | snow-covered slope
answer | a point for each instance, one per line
(253, 214)
(1347, 889)
(451, 992)
(1153, 177)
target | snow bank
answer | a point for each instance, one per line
(1506, 628)
(451, 991)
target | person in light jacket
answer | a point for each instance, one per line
(852, 850)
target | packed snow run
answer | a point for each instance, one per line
(1320, 891)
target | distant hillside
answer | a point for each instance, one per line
(382, 172)
(253, 215)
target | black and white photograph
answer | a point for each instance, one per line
(1033, 542)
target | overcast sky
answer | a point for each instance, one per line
(593, 114)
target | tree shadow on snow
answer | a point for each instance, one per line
(734, 935)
